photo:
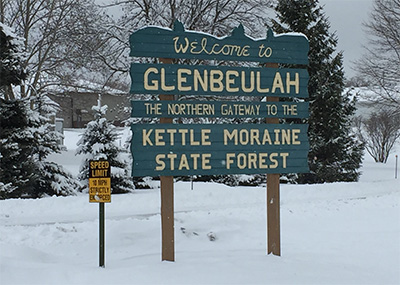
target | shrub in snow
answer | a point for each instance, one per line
(145, 182)
(240, 180)
(230, 180)
(379, 132)
(99, 142)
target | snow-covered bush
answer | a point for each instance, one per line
(99, 142)
(26, 139)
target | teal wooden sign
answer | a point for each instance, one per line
(218, 80)
(218, 109)
(178, 43)
(207, 149)
(204, 149)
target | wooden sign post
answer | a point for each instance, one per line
(168, 149)
(167, 199)
(273, 197)
(273, 204)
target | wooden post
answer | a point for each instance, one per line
(167, 218)
(273, 215)
(167, 200)
(273, 199)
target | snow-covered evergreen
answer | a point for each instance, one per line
(27, 135)
(27, 138)
(53, 179)
(335, 153)
(17, 171)
(17, 166)
(12, 56)
(99, 142)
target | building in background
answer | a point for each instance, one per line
(76, 107)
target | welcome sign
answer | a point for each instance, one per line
(202, 149)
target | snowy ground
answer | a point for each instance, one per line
(340, 233)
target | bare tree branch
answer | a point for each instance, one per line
(381, 64)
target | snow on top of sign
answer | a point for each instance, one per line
(186, 31)
(237, 31)
(154, 26)
(275, 35)
(291, 34)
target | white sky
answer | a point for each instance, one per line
(346, 18)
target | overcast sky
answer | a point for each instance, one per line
(346, 18)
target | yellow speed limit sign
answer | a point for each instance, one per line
(99, 181)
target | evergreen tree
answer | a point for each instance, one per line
(99, 142)
(26, 139)
(335, 154)
(26, 135)
(17, 169)
(11, 59)
(17, 165)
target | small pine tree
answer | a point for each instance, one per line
(99, 142)
(335, 154)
